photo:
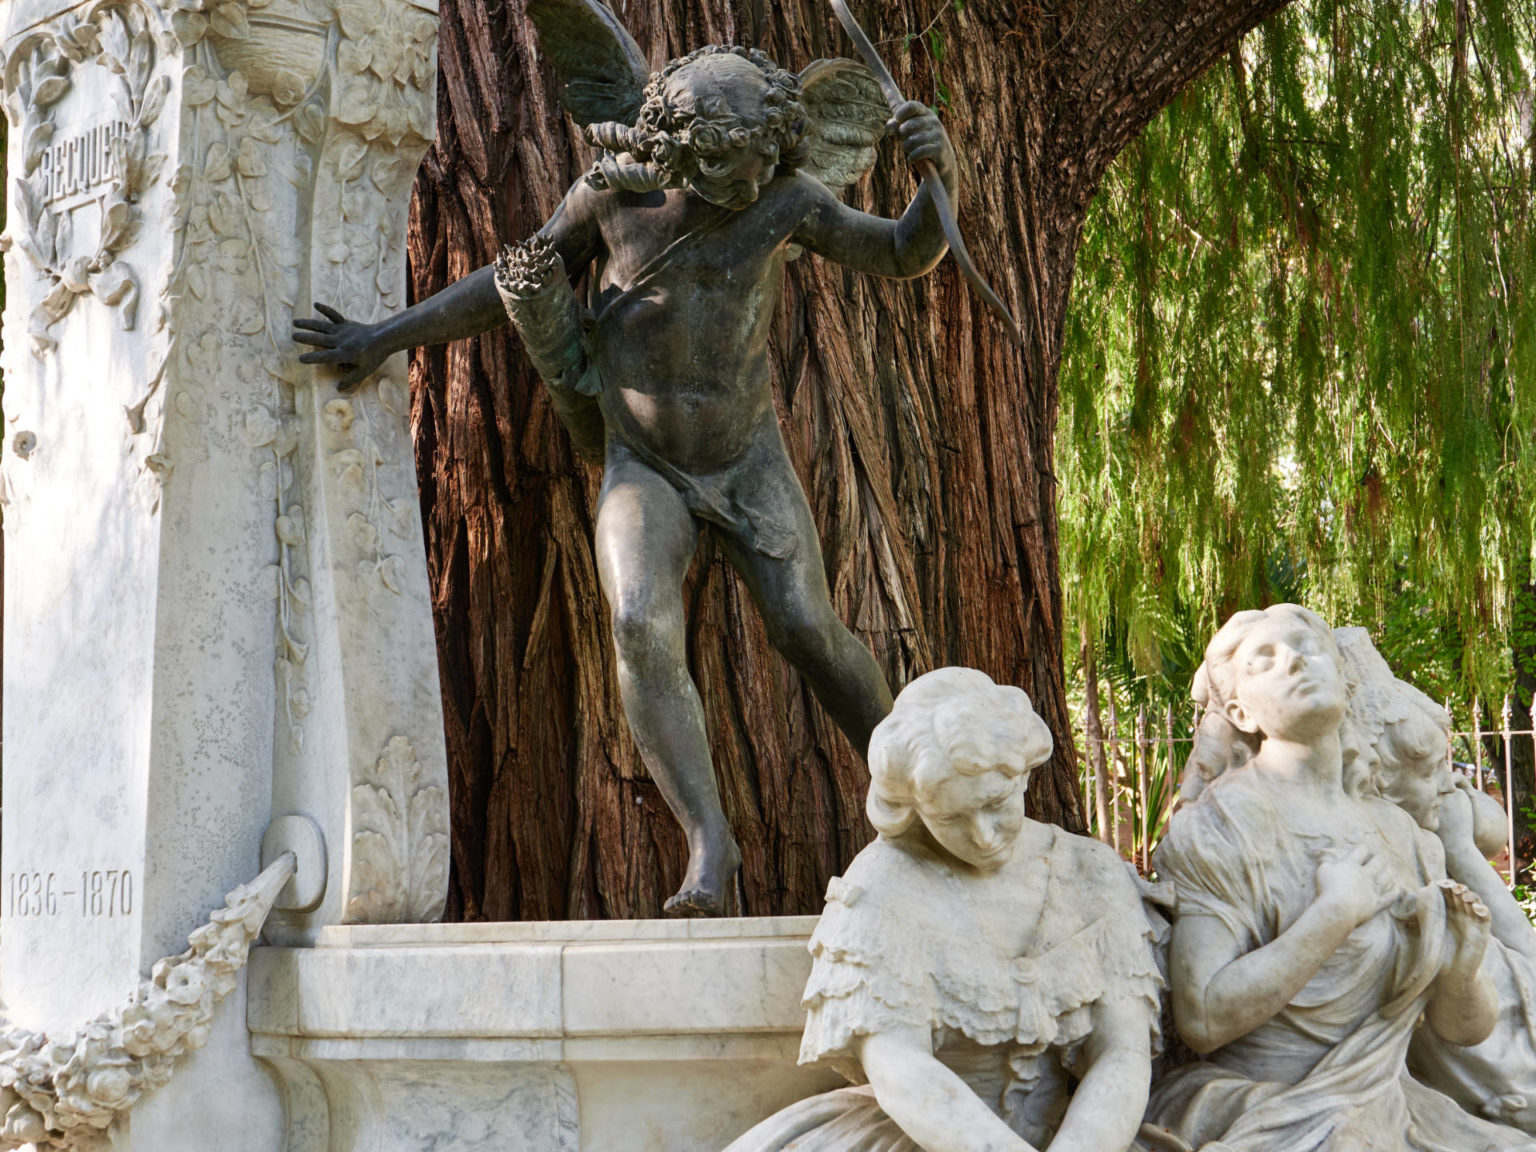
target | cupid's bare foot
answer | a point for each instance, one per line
(709, 878)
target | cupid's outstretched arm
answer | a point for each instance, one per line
(899, 249)
(465, 308)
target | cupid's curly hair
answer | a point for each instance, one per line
(674, 141)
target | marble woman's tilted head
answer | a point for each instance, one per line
(956, 753)
(1267, 673)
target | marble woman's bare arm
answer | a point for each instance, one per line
(1464, 1007)
(1466, 864)
(1221, 992)
(1106, 1110)
(929, 1102)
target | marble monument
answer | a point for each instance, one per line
(218, 640)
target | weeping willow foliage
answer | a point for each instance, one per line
(1301, 352)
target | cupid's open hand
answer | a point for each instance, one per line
(923, 137)
(345, 343)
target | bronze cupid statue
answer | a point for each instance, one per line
(712, 174)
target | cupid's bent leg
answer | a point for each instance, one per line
(791, 593)
(645, 542)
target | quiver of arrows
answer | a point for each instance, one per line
(537, 294)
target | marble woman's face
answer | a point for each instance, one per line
(1288, 683)
(976, 819)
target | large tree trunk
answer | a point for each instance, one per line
(923, 438)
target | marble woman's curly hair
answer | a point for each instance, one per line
(673, 141)
(1412, 741)
(951, 722)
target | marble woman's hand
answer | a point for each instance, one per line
(348, 344)
(1469, 926)
(1355, 885)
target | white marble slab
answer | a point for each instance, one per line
(640, 1036)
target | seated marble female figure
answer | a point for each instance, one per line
(1403, 756)
(973, 966)
(1313, 928)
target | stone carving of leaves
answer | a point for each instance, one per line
(428, 883)
(310, 122)
(45, 230)
(36, 142)
(349, 469)
(119, 226)
(234, 93)
(357, 103)
(365, 537)
(393, 397)
(350, 153)
(219, 164)
(197, 87)
(260, 427)
(189, 27)
(50, 91)
(392, 574)
(229, 21)
(140, 61)
(359, 18)
(154, 101)
(353, 58)
(245, 317)
(400, 848)
(112, 31)
(402, 518)
(249, 161)
(375, 892)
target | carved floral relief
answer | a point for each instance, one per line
(110, 162)
(400, 845)
(299, 126)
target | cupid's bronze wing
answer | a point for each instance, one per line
(848, 115)
(602, 68)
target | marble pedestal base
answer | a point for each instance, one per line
(614, 1036)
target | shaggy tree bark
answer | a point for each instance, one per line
(923, 438)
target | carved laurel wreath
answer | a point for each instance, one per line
(119, 38)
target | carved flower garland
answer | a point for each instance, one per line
(386, 51)
(68, 1093)
(119, 39)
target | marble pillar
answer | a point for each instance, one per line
(217, 616)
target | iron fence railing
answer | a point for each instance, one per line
(1143, 754)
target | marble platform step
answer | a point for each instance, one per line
(601, 1036)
